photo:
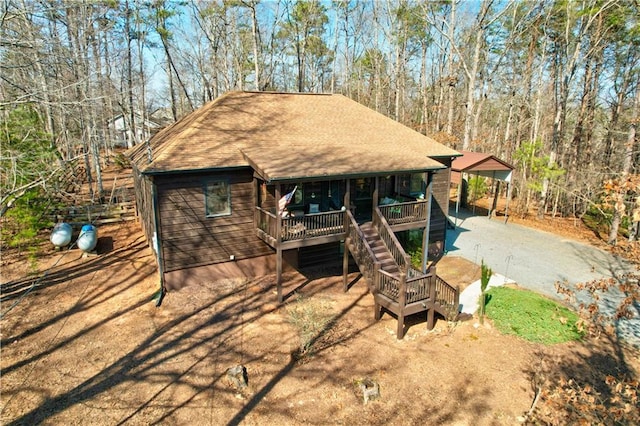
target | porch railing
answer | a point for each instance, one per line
(419, 288)
(301, 227)
(412, 211)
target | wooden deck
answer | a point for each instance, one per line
(395, 285)
(325, 227)
(403, 216)
(300, 231)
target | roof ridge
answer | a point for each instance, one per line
(276, 92)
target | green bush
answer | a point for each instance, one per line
(477, 188)
(26, 219)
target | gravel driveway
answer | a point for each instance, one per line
(536, 260)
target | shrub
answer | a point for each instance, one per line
(477, 188)
(26, 219)
(311, 317)
(485, 276)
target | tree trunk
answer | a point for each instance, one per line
(471, 87)
(618, 209)
(133, 137)
(452, 79)
(255, 32)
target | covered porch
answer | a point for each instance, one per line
(316, 213)
(322, 212)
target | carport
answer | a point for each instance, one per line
(486, 165)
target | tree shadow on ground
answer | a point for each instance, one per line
(582, 386)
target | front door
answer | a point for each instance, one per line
(362, 199)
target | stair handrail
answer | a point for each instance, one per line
(362, 255)
(446, 292)
(389, 239)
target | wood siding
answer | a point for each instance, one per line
(190, 238)
(144, 203)
(440, 204)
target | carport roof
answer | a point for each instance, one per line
(482, 164)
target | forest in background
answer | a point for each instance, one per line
(551, 86)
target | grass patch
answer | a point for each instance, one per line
(531, 316)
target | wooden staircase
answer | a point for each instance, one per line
(396, 286)
(382, 254)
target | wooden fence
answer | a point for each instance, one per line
(97, 214)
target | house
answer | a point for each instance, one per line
(254, 182)
(121, 132)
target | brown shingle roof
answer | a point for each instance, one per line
(288, 136)
(479, 163)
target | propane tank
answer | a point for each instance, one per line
(61, 234)
(88, 238)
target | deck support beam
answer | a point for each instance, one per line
(402, 301)
(346, 202)
(278, 246)
(427, 229)
(376, 191)
(432, 296)
(345, 265)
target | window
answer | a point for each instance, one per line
(217, 198)
(412, 185)
(417, 184)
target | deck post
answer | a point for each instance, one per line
(402, 301)
(431, 320)
(278, 246)
(458, 198)
(256, 201)
(347, 195)
(376, 190)
(427, 229)
(345, 265)
(432, 301)
(375, 284)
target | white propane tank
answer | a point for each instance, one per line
(61, 234)
(88, 238)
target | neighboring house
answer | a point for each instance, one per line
(209, 189)
(122, 134)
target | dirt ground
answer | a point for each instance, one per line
(87, 345)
